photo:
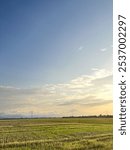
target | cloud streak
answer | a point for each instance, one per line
(103, 50)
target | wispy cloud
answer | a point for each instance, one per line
(94, 69)
(82, 94)
(103, 49)
(81, 48)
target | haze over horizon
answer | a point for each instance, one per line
(56, 57)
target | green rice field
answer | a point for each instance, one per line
(56, 134)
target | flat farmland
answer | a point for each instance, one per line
(56, 134)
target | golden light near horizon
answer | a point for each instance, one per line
(85, 95)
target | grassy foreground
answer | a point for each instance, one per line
(56, 134)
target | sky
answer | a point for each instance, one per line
(55, 57)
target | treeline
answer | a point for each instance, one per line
(93, 116)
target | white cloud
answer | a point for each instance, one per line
(94, 69)
(103, 49)
(86, 91)
(80, 48)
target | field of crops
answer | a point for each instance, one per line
(56, 134)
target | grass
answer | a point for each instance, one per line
(56, 134)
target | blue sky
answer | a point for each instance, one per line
(51, 43)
